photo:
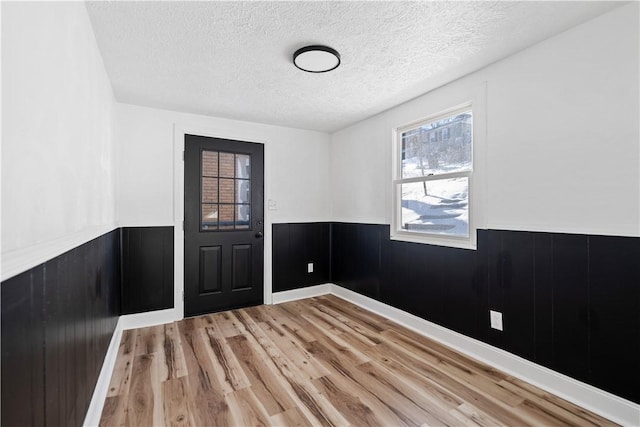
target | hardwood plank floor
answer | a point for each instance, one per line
(319, 361)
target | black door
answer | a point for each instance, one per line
(223, 227)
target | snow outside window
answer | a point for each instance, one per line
(433, 171)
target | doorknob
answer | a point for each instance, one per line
(259, 235)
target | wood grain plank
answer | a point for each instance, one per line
(149, 340)
(227, 367)
(173, 359)
(365, 328)
(206, 402)
(309, 399)
(433, 415)
(463, 420)
(176, 403)
(229, 324)
(343, 379)
(121, 377)
(565, 411)
(331, 318)
(262, 375)
(320, 361)
(356, 404)
(280, 317)
(141, 395)
(455, 386)
(291, 418)
(422, 394)
(295, 351)
(366, 318)
(403, 406)
(246, 409)
(388, 357)
(477, 416)
(347, 351)
(438, 354)
(115, 412)
(476, 378)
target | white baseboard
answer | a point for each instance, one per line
(295, 294)
(586, 396)
(92, 418)
(128, 321)
(150, 318)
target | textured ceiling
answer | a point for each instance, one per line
(233, 59)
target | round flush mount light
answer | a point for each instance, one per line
(316, 59)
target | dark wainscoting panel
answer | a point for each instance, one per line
(614, 314)
(356, 254)
(57, 322)
(569, 302)
(147, 269)
(294, 246)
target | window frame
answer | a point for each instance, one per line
(396, 231)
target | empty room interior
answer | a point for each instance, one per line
(334, 213)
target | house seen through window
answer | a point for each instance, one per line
(434, 164)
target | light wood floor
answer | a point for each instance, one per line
(319, 361)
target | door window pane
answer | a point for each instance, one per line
(209, 190)
(436, 207)
(243, 218)
(243, 166)
(227, 169)
(242, 191)
(226, 219)
(209, 163)
(225, 191)
(209, 217)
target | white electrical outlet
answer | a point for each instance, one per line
(272, 205)
(310, 267)
(496, 319)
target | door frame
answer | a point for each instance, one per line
(233, 133)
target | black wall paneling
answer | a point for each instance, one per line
(614, 314)
(465, 291)
(570, 281)
(147, 269)
(356, 253)
(294, 246)
(57, 322)
(569, 302)
(511, 290)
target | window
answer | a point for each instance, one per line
(432, 179)
(225, 191)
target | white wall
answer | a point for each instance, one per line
(150, 175)
(57, 151)
(562, 145)
(296, 165)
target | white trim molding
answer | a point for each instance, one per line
(94, 412)
(149, 318)
(302, 293)
(23, 259)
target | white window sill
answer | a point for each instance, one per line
(451, 242)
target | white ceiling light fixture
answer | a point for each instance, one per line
(316, 59)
